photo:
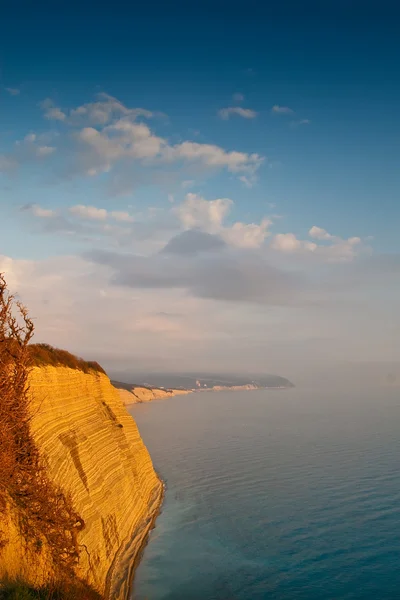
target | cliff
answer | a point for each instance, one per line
(134, 394)
(94, 452)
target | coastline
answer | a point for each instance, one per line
(130, 397)
(121, 574)
(139, 554)
(242, 388)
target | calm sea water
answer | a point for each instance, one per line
(278, 495)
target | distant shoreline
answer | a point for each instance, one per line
(242, 388)
(132, 394)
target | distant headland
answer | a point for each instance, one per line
(154, 386)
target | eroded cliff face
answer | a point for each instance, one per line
(139, 394)
(95, 453)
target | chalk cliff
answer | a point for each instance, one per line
(133, 394)
(95, 453)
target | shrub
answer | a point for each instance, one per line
(44, 354)
(71, 591)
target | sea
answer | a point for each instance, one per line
(274, 495)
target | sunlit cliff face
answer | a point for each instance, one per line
(93, 450)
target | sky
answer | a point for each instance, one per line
(209, 187)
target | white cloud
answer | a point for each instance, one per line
(89, 212)
(247, 181)
(207, 215)
(52, 112)
(101, 214)
(319, 234)
(246, 113)
(214, 156)
(13, 91)
(246, 235)
(281, 110)
(289, 243)
(30, 148)
(334, 249)
(45, 150)
(120, 215)
(109, 135)
(116, 142)
(135, 141)
(39, 211)
(342, 250)
(99, 113)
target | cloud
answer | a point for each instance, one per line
(120, 215)
(246, 113)
(124, 141)
(187, 183)
(101, 112)
(100, 214)
(227, 276)
(195, 211)
(192, 242)
(13, 91)
(281, 110)
(247, 235)
(300, 122)
(238, 97)
(209, 216)
(335, 248)
(52, 112)
(339, 249)
(247, 180)
(38, 211)
(31, 148)
(288, 242)
(109, 135)
(272, 321)
(214, 157)
(89, 212)
(320, 234)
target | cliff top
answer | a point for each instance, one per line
(44, 354)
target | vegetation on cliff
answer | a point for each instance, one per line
(46, 517)
(44, 354)
(72, 591)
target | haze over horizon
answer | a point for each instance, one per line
(194, 188)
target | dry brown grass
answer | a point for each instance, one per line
(44, 354)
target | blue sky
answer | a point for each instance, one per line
(275, 130)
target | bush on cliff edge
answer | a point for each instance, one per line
(45, 514)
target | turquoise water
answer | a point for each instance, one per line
(278, 495)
